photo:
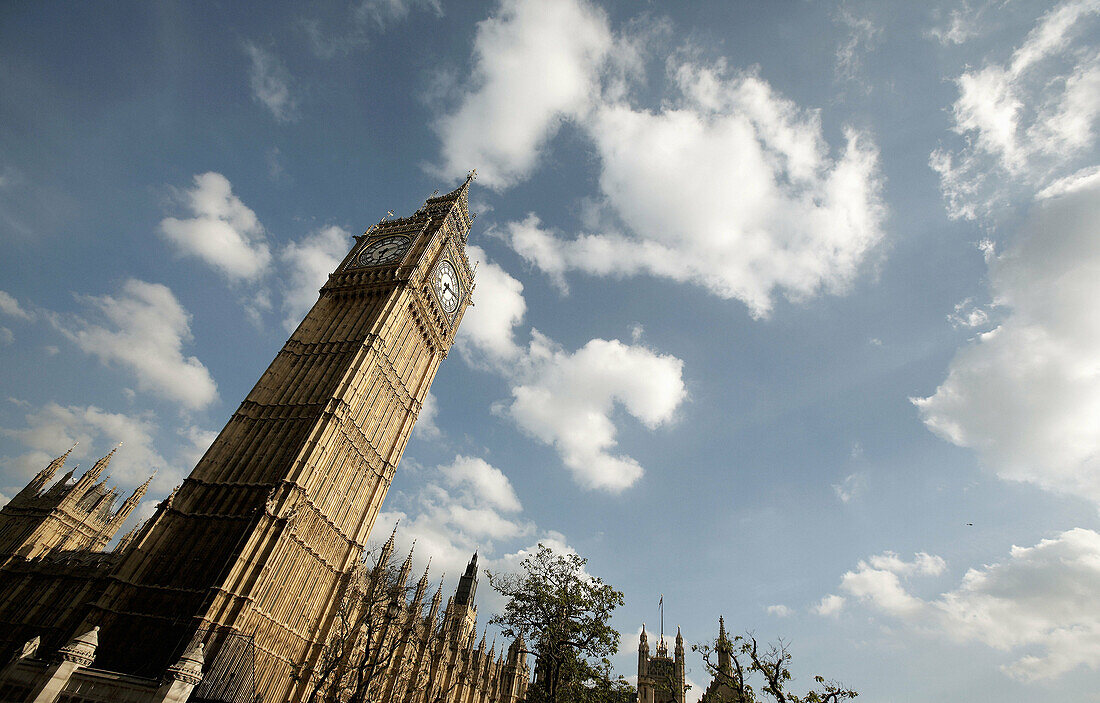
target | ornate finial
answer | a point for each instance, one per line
(472, 174)
(93, 473)
(81, 650)
(189, 667)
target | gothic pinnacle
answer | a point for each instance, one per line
(47, 473)
(139, 492)
(97, 469)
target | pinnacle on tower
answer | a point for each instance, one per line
(467, 585)
(47, 473)
(724, 648)
(94, 472)
(723, 640)
(387, 548)
(403, 577)
(139, 492)
(35, 486)
(422, 584)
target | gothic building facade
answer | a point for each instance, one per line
(239, 575)
(394, 645)
(720, 690)
(661, 678)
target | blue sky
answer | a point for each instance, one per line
(774, 299)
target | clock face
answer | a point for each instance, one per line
(384, 251)
(445, 281)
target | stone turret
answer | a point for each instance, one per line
(34, 488)
(69, 515)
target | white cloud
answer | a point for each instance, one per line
(829, 606)
(143, 328)
(487, 327)
(385, 12)
(197, 441)
(476, 480)
(852, 486)
(566, 400)
(968, 315)
(1041, 603)
(861, 36)
(425, 426)
(270, 82)
(923, 564)
(10, 306)
(1026, 394)
(536, 63)
(6, 336)
(780, 611)
(1026, 122)
(53, 428)
(308, 263)
(962, 23)
(732, 189)
(464, 506)
(223, 231)
(728, 185)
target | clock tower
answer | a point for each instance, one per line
(259, 542)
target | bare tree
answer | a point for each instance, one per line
(735, 665)
(373, 625)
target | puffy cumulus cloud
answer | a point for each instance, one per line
(536, 63)
(143, 328)
(222, 231)
(1041, 603)
(476, 479)
(829, 606)
(270, 82)
(1026, 394)
(464, 506)
(780, 611)
(488, 327)
(10, 306)
(52, 429)
(308, 263)
(566, 399)
(1026, 122)
(733, 188)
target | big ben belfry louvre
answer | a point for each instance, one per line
(230, 591)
